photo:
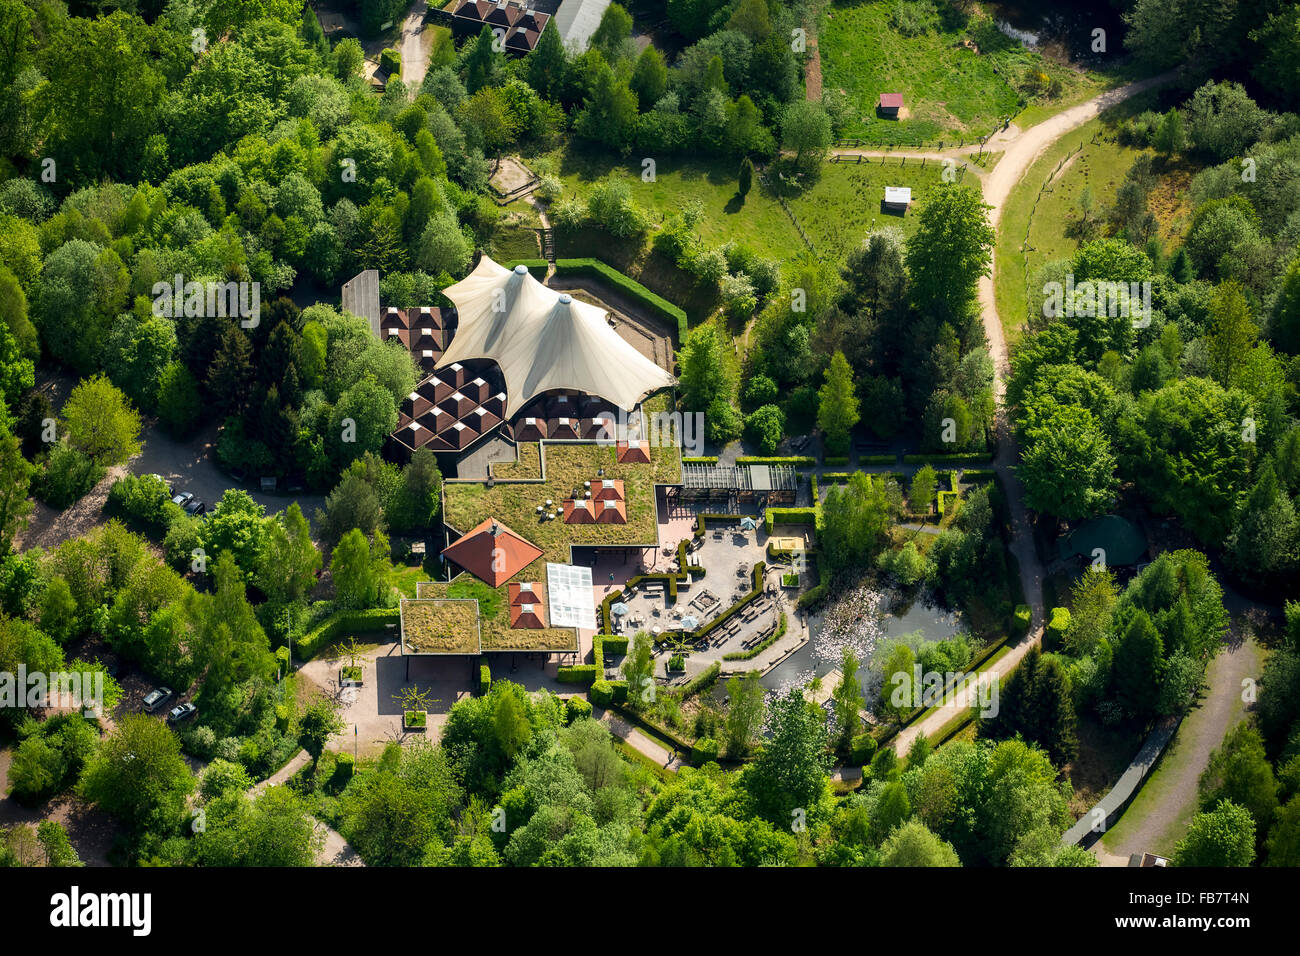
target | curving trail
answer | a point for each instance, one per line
(1020, 153)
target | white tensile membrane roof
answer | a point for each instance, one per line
(543, 340)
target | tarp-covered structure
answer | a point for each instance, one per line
(544, 340)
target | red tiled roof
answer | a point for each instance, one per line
(527, 602)
(534, 430)
(578, 511)
(633, 452)
(891, 101)
(492, 552)
(607, 489)
(611, 512)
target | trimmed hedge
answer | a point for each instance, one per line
(955, 458)
(835, 460)
(776, 516)
(1057, 626)
(1021, 620)
(334, 626)
(594, 268)
(704, 751)
(607, 692)
(701, 460)
(762, 645)
(701, 681)
(390, 62)
(796, 460)
(877, 459)
(575, 709)
(484, 679)
(702, 520)
(587, 673)
(538, 267)
(817, 591)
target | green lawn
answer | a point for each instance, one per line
(836, 212)
(950, 90)
(1099, 166)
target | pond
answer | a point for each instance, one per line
(866, 619)
(1065, 24)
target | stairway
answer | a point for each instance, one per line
(548, 244)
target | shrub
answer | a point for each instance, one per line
(484, 679)
(145, 499)
(344, 764)
(602, 693)
(704, 751)
(576, 709)
(1021, 620)
(390, 62)
(861, 749)
(202, 742)
(1057, 625)
(67, 476)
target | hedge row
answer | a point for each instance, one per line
(818, 591)
(538, 267)
(944, 459)
(1058, 625)
(594, 268)
(796, 460)
(702, 520)
(756, 591)
(701, 460)
(588, 673)
(877, 459)
(701, 681)
(484, 679)
(337, 626)
(1021, 620)
(835, 460)
(761, 646)
(842, 477)
(777, 516)
(607, 692)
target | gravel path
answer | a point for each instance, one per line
(1155, 826)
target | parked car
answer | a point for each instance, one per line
(182, 712)
(190, 504)
(156, 698)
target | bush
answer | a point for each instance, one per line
(484, 679)
(390, 62)
(341, 623)
(602, 693)
(67, 476)
(1021, 620)
(145, 499)
(861, 749)
(704, 751)
(1056, 627)
(576, 709)
(344, 764)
